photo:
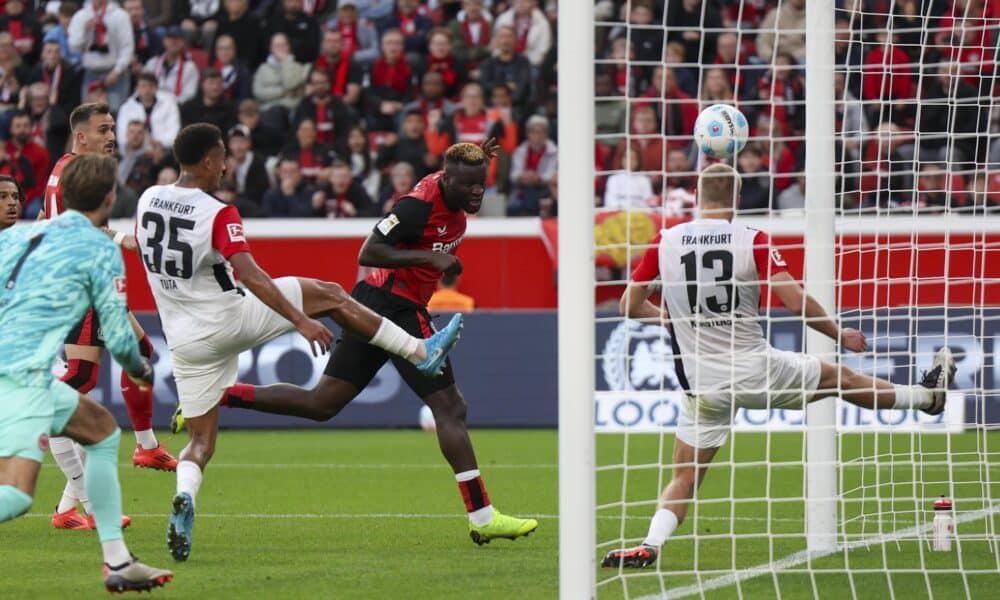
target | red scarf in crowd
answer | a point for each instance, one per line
(309, 165)
(484, 33)
(349, 33)
(338, 75)
(396, 76)
(100, 29)
(324, 124)
(522, 26)
(52, 79)
(161, 72)
(406, 24)
(534, 158)
(444, 67)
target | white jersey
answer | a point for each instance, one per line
(185, 237)
(711, 272)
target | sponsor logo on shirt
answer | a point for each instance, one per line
(236, 232)
(387, 224)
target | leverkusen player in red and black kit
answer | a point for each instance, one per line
(411, 248)
(93, 130)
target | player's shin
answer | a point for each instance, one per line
(475, 496)
(70, 460)
(139, 404)
(911, 396)
(189, 478)
(101, 479)
(661, 527)
(394, 339)
(13, 503)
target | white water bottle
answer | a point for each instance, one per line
(944, 525)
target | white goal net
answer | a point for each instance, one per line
(896, 231)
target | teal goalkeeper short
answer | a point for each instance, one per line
(29, 415)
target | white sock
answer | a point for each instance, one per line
(912, 396)
(65, 452)
(188, 478)
(146, 438)
(661, 527)
(392, 338)
(115, 552)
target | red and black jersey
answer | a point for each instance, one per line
(53, 201)
(420, 221)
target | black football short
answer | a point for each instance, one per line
(87, 332)
(356, 361)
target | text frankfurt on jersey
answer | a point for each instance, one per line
(179, 208)
(708, 239)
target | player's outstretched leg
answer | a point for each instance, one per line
(687, 477)
(149, 453)
(93, 426)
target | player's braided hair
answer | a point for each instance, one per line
(466, 154)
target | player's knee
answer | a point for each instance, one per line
(327, 402)
(454, 407)
(335, 293)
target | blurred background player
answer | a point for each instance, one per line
(93, 131)
(711, 272)
(53, 272)
(410, 249)
(192, 245)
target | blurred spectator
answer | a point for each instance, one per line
(19, 167)
(61, 80)
(211, 105)
(533, 167)
(402, 178)
(447, 298)
(470, 122)
(440, 60)
(508, 67)
(146, 40)
(344, 74)
(153, 107)
(887, 78)
(628, 79)
(532, 33)
(787, 22)
(628, 189)
(23, 28)
(950, 118)
(431, 103)
(794, 196)
(102, 33)
(413, 25)
(137, 167)
(646, 140)
(50, 123)
(345, 197)
(20, 144)
(246, 172)
(716, 89)
(236, 81)
(884, 182)
(410, 147)
(984, 193)
(358, 156)
(358, 37)
(300, 28)
(280, 80)
(375, 9)
(293, 196)
(850, 120)
(848, 54)
(174, 70)
(755, 193)
(245, 30)
(266, 140)
(313, 158)
(200, 24)
(471, 35)
(678, 110)
(742, 70)
(166, 176)
(648, 43)
(678, 189)
(60, 32)
(686, 78)
(391, 79)
(332, 117)
(159, 13)
(784, 89)
(690, 18)
(933, 192)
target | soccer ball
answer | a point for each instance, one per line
(721, 131)
(427, 419)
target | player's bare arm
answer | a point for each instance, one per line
(377, 252)
(260, 283)
(635, 304)
(799, 302)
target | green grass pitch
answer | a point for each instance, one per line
(376, 514)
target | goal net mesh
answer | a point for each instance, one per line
(917, 253)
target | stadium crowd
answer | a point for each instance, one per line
(330, 108)
(915, 84)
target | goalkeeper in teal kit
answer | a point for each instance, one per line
(50, 273)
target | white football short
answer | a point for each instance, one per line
(778, 379)
(205, 368)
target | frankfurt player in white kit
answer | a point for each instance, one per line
(711, 270)
(191, 244)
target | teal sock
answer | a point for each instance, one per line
(13, 503)
(100, 476)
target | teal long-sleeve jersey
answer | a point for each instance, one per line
(51, 273)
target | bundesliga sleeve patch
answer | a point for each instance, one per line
(236, 232)
(120, 287)
(387, 224)
(777, 259)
